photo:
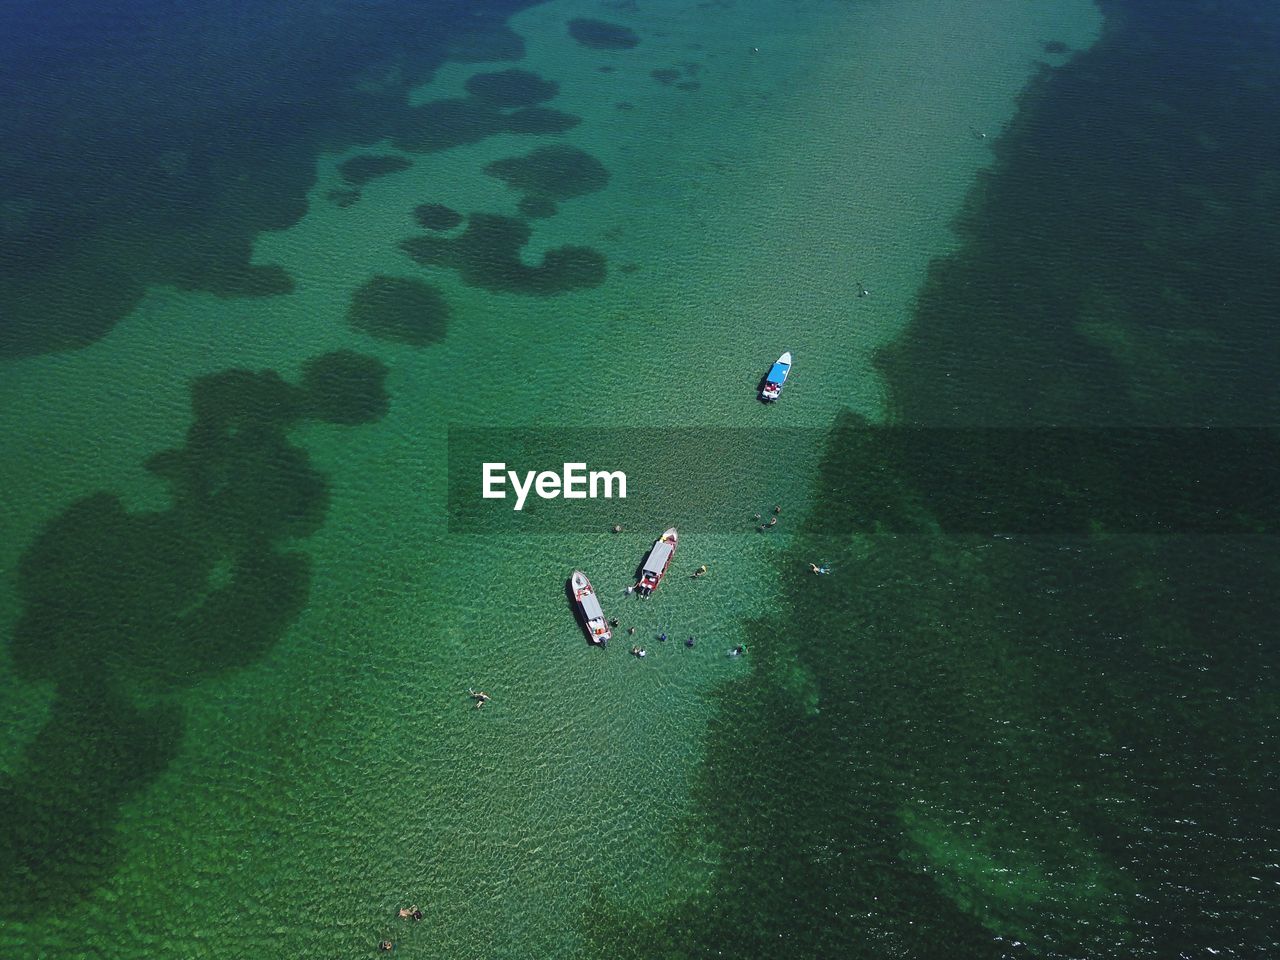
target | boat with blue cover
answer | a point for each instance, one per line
(776, 377)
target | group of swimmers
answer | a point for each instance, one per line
(772, 522)
(614, 621)
(638, 651)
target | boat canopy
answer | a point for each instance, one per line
(591, 606)
(586, 596)
(658, 557)
(778, 372)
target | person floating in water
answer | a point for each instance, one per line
(480, 697)
(738, 651)
(755, 516)
(631, 630)
(773, 522)
(637, 651)
(617, 528)
(384, 945)
(690, 642)
(662, 637)
(613, 621)
(820, 570)
(776, 509)
(700, 572)
(862, 289)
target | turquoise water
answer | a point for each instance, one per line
(243, 617)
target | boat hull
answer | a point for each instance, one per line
(775, 379)
(586, 605)
(657, 563)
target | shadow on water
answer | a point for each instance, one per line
(399, 309)
(436, 216)
(505, 101)
(487, 255)
(121, 611)
(982, 747)
(550, 174)
(602, 35)
(360, 170)
(126, 167)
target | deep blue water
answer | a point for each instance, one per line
(148, 141)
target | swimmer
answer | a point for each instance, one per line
(689, 642)
(480, 697)
(406, 912)
(755, 516)
(384, 945)
(738, 651)
(776, 509)
(631, 630)
(772, 522)
(617, 528)
(820, 570)
(613, 621)
(629, 591)
(662, 637)
(701, 571)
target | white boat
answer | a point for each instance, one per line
(775, 378)
(655, 565)
(589, 609)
